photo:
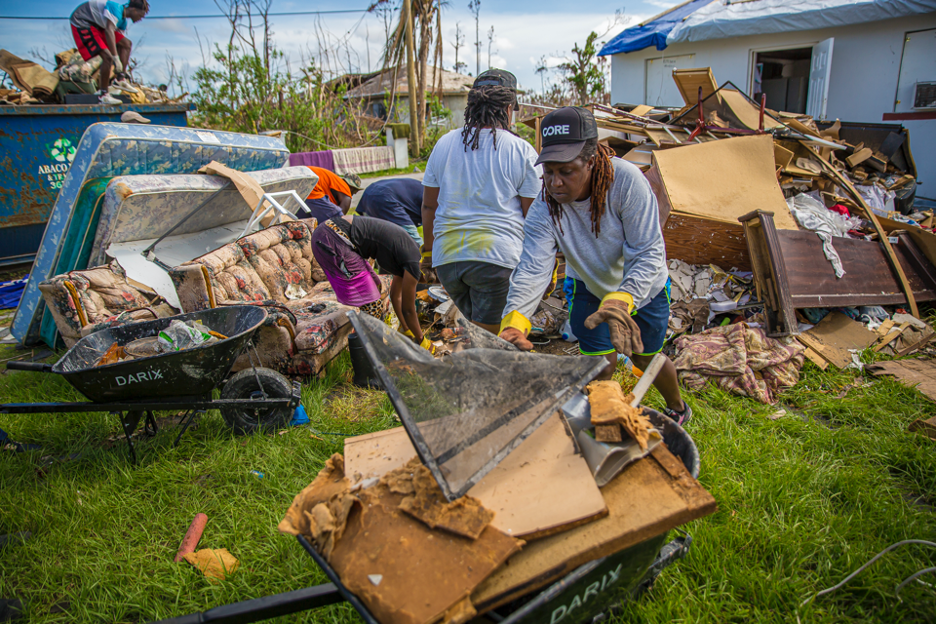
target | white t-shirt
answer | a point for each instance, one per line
(479, 216)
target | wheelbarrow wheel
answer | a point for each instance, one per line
(248, 419)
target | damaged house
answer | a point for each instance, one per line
(865, 61)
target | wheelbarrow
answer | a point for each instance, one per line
(581, 596)
(254, 398)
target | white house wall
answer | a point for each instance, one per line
(862, 87)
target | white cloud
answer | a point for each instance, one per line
(663, 4)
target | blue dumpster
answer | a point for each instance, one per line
(37, 145)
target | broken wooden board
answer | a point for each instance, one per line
(913, 373)
(721, 180)
(651, 496)
(926, 427)
(539, 489)
(834, 335)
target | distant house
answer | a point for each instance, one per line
(374, 90)
(868, 61)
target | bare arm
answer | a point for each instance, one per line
(408, 306)
(110, 38)
(344, 202)
(429, 205)
(525, 203)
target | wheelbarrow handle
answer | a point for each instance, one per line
(36, 367)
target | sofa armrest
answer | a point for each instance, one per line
(193, 286)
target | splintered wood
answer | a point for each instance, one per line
(611, 410)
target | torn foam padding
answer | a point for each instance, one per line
(425, 502)
(609, 406)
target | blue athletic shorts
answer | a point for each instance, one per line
(652, 319)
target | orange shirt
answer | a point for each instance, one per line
(328, 182)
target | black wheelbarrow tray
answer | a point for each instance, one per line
(594, 588)
(181, 380)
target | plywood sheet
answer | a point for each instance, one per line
(740, 112)
(541, 488)
(723, 180)
(703, 241)
(651, 496)
(835, 335)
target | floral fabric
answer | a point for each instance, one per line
(739, 359)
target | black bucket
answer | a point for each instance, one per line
(364, 375)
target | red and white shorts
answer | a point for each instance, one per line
(91, 41)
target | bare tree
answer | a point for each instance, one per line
(542, 68)
(475, 7)
(490, 44)
(459, 43)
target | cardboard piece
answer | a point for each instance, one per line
(688, 82)
(834, 335)
(541, 488)
(651, 496)
(641, 110)
(249, 189)
(738, 111)
(918, 373)
(722, 180)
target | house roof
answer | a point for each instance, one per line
(653, 31)
(737, 18)
(380, 85)
(702, 20)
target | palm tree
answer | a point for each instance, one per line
(428, 17)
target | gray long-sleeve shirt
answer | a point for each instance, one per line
(628, 255)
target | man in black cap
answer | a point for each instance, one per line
(601, 213)
(479, 183)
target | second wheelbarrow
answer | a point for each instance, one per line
(254, 398)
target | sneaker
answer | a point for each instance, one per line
(124, 86)
(106, 98)
(680, 418)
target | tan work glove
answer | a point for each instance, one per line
(425, 267)
(514, 329)
(118, 66)
(615, 310)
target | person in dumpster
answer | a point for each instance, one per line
(600, 212)
(480, 181)
(99, 28)
(331, 196)
(342, 247)
(397, 200)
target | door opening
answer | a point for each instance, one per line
(784, 76)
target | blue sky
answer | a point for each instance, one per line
(525, 31)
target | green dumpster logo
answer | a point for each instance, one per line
(61, 153)
(63, 150)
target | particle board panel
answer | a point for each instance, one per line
(650, 497)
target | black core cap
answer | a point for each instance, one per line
(495, 78)
(564, 132)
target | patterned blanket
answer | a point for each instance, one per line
(739, 359)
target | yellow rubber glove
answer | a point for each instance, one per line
(409, 334)
(427, 345)
(514, 328)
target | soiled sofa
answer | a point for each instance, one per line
(83, 302)
(274, 267)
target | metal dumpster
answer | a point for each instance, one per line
(37, 145)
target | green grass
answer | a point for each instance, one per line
(414, 163)
(803, 500)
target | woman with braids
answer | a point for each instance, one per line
(480, 181)
(600, 212)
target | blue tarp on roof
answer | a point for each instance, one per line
(651, 33)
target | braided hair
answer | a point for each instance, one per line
(487, 108)
(602, 175)
(142, 5)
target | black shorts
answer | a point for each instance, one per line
(479, 289)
